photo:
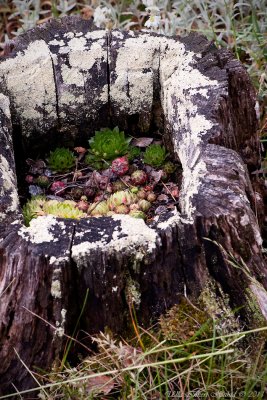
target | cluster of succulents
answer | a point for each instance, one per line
(111, 177)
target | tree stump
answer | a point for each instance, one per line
(61, 82)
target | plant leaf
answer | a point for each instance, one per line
(142, 142)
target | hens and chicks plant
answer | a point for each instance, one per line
(111, 177)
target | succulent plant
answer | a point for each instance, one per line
(108, 144)
(110, 213)
(57, 186)
(151, 197)
(40, 206)
(63, 209)
(29, 178)
(144, 205)
(97, 209)
(89, 191)
(155, 155)
(94, 162)
(82, 205)
(124, 197)
(137, 214)
(122, 209)
(120, 166)
(43, 181)
(134, 189)
(33, 208)
(61, 159)
(134, 207)
(118, 185)
(139, 177)
(169, 167)
(133, 152)
(141, 194)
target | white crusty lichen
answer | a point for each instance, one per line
(132, 86)
(40, 230)
(132, 236)
(9, 186)
(60, 325)
(180, 78)
(29, 78)
(58, 260)
(56, 289)
(5, 105)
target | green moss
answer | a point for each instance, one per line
(216, 304)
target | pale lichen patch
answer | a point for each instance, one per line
(40, 230)
(57, 261)
(57, 43)
(132, 236)
(56, 289)
(29, 79)
(5, 105)
(96, 34)
(77, 44)
(8, 187)
(60, 326)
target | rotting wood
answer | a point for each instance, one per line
(65, 79)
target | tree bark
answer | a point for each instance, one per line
(63, 80)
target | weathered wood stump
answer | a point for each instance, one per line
(60, 82)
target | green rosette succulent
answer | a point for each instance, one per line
(97, 209)
(94, 162)
(40, 206)
(155, 155)
(33, 208)
(123, 197)
(108, 144)
(137, 214)
(63, 209)
(61, 159)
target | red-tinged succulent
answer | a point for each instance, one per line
(82, 205)
(57, 186)
(148, 188)
(29, 178)
(122, 209)
(124, 197)
(120, 166)
(139, 177)
(134, 207)
(175, 192)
